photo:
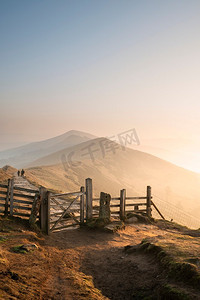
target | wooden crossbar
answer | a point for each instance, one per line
(64, 213)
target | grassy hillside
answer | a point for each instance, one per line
(6, 172)
(130, 169)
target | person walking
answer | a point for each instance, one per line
(18, 173)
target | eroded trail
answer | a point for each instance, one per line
(101, 255)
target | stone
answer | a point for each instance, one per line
(132, 220)
(104, 210)
(29, 247)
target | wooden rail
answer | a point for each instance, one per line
(16, 201)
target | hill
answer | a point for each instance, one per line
(130, 169)
(6, 172)
(21, 156)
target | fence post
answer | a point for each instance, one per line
(11, 196)
(122, 203)
(7, 197)
(82, 204)
(48, 213)
(148, 201)
(44, 215)
(88, 183)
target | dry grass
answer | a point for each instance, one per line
(89, 264)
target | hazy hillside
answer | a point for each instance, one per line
(6, 172)
(21, 156)
(130, 169)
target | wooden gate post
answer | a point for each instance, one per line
(122, 203)
(88, 184)
(11, 196)
(148, 201)
(82, 205)
(7, 197)
(44, 215)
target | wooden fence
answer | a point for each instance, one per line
(123, 205)
(16, 201)
(60, 211)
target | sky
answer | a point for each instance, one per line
(102, 67)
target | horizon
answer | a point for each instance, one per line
(102, 67)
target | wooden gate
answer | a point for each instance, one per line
(66, 210)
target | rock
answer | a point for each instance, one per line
(104, 210)
(114, 227)
(130, 249)
(132, 220)
(29, 247)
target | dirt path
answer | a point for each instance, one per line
(101, 255)
(21, 181)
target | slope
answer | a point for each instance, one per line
(19, 157)
(130, 169)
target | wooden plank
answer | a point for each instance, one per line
(82, 205)
(135, 204)
(112, 199)
(89, 197)
(63, 227)
(136, 211)
(21, 214)
(55, 214)
(11, 196)
(23, 196)
(115, 205)
(135, 198)
(22, 201)
(157, 210)
(5, 186)
(21, 207)
(31, 191)
(67, 194)
(3, 192)
(60, 206)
